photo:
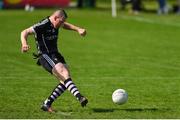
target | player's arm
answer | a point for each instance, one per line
(69, 26)
(24, 35)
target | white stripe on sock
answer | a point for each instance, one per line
(68, 83)
(58, 91)
(53, 97)
(55, 94)
(60, 87)
(72, 85)
(74, 89)
(76, 93)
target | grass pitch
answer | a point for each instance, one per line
(137, 53)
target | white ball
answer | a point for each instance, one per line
(119, 96)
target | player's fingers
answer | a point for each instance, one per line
(83, 32)
(25, 48)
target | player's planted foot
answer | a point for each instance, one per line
(83, 101)
(47, 107)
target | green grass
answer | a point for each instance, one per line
(137, 53)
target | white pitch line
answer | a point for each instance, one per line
(134, 78)
(25, 77)
(140, 19)
(63, 113)
(21, 63)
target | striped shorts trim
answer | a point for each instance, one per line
(49, 60)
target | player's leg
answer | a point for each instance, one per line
(48, 64)
(63, 73)
(58, 90)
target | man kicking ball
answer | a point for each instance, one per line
(46, 36)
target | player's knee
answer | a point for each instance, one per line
(62, 71)
(66, 74)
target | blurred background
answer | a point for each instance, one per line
(133, 6)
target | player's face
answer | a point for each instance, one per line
(59, 21)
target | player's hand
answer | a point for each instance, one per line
(25, 48)
(82, 32)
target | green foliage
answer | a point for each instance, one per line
(137, 53)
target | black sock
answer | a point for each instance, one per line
(72, 88)
(59, 89)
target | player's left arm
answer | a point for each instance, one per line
(69, 26)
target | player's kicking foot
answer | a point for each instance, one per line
(83, 101)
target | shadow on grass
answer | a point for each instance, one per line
(139, 109)
(99, 110)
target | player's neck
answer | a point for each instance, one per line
(52, 21)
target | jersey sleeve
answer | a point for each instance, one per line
(40, 27)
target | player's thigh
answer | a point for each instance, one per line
(61, 71)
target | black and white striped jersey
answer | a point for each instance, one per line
(46, 36)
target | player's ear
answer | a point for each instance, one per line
(55, 18)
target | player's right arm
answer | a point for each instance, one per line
(24, 35)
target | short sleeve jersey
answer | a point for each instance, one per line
(46, 36)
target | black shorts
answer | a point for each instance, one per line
(48, 61)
